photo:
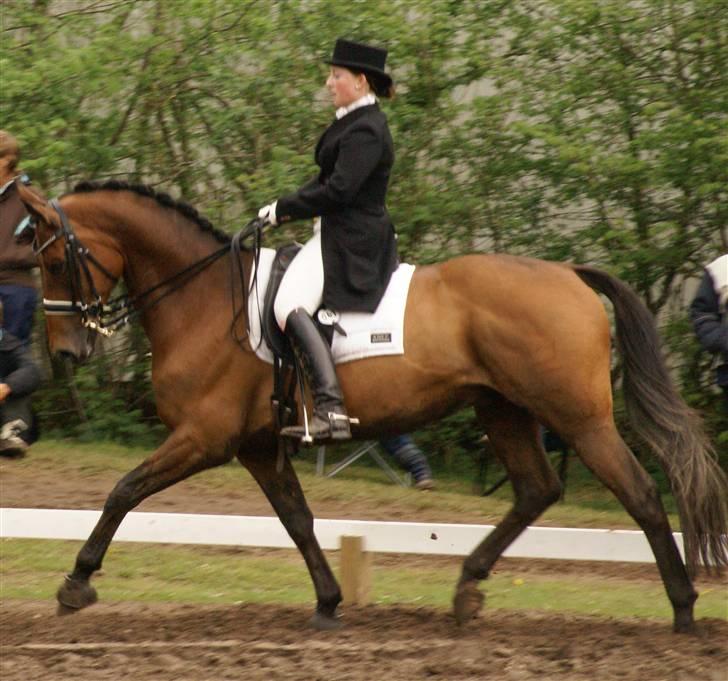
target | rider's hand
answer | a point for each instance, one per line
(268, 214)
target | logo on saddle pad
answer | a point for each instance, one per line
(381, 338)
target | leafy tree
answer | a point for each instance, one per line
(606, 141)
(591, 130)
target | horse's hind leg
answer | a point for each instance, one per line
(175, 460)
(605, 453)
(516, 440)
(286, 496)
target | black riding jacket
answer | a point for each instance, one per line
(711, 324)
(358, 243)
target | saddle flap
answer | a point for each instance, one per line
(272, 334)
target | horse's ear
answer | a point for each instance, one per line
(36, 204)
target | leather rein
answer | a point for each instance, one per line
(107, 318)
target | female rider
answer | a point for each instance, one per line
(347, 264)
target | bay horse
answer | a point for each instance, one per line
(523, 341)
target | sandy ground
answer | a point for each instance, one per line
(264, 643)
(145, 642)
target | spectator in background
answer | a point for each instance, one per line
(410, 458)
(17, 287)
(19, 377)
(709, 315)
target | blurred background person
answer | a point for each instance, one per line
(17, 261)
(410, 458)
(709, 315)
(19, 377)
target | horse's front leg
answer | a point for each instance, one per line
(286, 496)
(178, 458)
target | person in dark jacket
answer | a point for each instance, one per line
(19, 377)
(17, 261)
(709, 315)
(348, 262)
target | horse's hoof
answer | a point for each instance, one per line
(73, 595)
(322, 622)
(468, 602)
(684, 627)
(63, 610)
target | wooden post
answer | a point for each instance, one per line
(356, 579)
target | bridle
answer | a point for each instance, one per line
(79, 260)
(107, 318)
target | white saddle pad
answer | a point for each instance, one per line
(367, 335)
(719, 273)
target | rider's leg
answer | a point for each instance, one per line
(329, 420)
(299, 296)
(302, 285)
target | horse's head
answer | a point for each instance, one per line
(79, 266)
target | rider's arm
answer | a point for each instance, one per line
(360, 150)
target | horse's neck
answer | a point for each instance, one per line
(157, 253)
(153, 257)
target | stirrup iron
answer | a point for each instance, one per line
(303, 432)
(333, 416)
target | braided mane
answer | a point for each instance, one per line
(160, 197)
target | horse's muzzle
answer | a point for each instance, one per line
(75, 352)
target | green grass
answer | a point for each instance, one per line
(32, 570)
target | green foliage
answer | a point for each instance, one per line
(453, 446)
(107, 409)
(109, 398)
(586, 130)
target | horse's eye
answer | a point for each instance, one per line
(57, 267)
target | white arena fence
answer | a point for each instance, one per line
(379, 537)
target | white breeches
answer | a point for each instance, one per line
(303, 283)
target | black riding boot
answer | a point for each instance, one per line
(329, 420)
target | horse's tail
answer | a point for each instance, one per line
(673, 430)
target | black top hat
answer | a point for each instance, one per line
(365, 58)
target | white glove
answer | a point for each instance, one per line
(268, 214)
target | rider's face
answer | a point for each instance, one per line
(8, 168)
(345, 87)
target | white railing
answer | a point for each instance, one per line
(379, 537)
